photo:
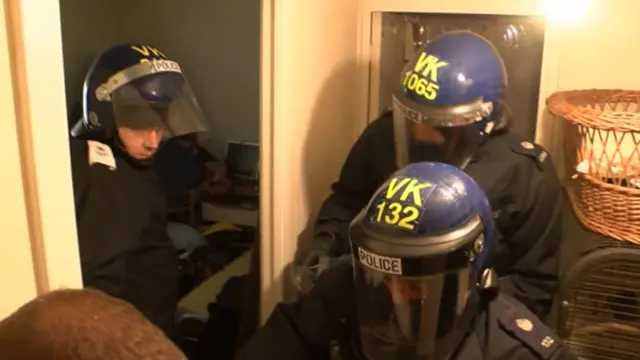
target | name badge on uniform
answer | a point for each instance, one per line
(100, 153)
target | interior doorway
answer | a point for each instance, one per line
(210, 181)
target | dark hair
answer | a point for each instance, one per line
(82, 325)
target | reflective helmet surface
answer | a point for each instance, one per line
(447, 96)
(137, 86)
(420, 249)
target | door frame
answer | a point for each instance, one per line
(271, 239)
(548, 132)
(33, 60)
(18, 284)
(37, 77)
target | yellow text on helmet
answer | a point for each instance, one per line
(423, 78)
(148, 52)
(402, 204)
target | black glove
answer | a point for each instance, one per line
(322, 249)
(316, 261)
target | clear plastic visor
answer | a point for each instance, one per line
(410, 318)
(449, 135)
(154, 96)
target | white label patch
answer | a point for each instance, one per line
(100, 153)
(384, 264)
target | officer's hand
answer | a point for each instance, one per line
(316, 261)
(320, 253)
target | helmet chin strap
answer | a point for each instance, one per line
(503, 120)
(489, 280)
(489, 285)
(78, 130)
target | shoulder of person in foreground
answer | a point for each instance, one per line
(305, 328)
(88, 325)
(521, 181)
(517, 334)
(79, 154)
(89, 157)
(104, 239)
(521, 151)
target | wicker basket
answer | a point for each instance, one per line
(602, 145)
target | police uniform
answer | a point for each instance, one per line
(121, 213)
(304, 330)
(121, 219)
(422, 279)
(517, 175)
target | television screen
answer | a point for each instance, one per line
(243, 159)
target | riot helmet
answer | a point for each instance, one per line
(139, 88)
(421, 253)
(448, 96)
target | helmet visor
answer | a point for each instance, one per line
(155, 95)
(423, 134)
(405, 317)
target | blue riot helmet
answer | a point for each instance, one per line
(139, 87)
(448, 98)
(421, 252)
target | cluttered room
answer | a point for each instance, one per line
(210, 181)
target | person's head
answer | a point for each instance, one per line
(421, 252)
(137, 94)
(140, 144)
(82, 325)
(447, 99)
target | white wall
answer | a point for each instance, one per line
(17, 279)
(311, 115)
(86, 31)
(601, 51)
(598, 51)
(37, 222)
(216, 42)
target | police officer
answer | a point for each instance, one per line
(448, 107)
(134, 97)
(420, 284)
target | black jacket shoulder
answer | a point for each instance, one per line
(376, 140)
(80, 170)
(516, 333)
(79, 151)
(86, 177)
(526, 194)
(516, 151)
(383, 123)
(514, 171)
